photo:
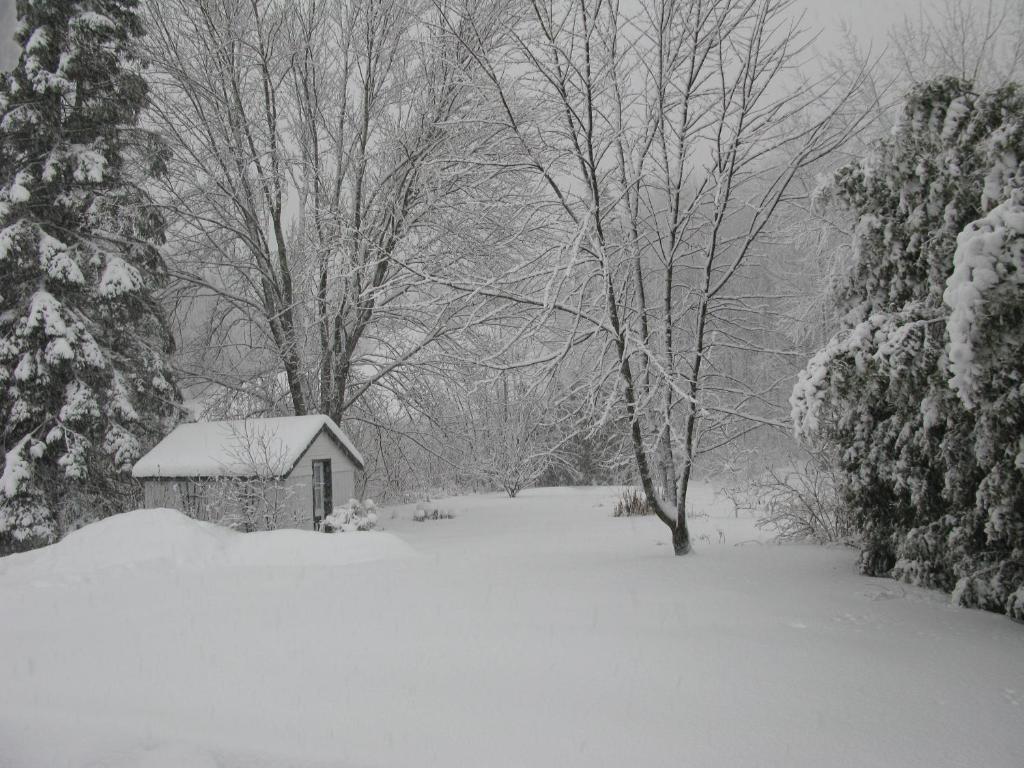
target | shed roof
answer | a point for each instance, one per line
(242, 448)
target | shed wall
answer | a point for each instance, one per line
(299, 483)
(244, 504)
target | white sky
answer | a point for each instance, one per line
(869, 19)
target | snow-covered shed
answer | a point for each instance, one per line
(285, 472)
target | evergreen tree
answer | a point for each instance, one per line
(986, 363)
(84, 379)
(920, 388)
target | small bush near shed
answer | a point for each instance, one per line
(426, 512)
(354, 516)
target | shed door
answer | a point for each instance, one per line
(323, 501)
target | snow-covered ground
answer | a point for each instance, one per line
(538, 631)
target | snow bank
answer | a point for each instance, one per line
(142, 536)
(166, 536)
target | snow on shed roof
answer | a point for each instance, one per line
(243, 448)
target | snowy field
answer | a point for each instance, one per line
(538, 631)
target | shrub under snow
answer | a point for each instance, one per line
(424, 512)
(921, 388)
(354, 516)
(798, 502)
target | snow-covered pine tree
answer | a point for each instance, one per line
(920, 390)
(84, 380)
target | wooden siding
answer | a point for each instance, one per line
(292, 496)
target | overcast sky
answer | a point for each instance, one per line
(870, 19)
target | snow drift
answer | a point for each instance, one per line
(170, 538)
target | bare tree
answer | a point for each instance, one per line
(510, 424)
(668, 143)
(216, 73)
(325, 155)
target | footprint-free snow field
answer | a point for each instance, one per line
(538, 631)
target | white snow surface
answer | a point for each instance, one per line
(240, 448)
(538, 631)
(168, 538)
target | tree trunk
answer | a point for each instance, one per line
(681, 536)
